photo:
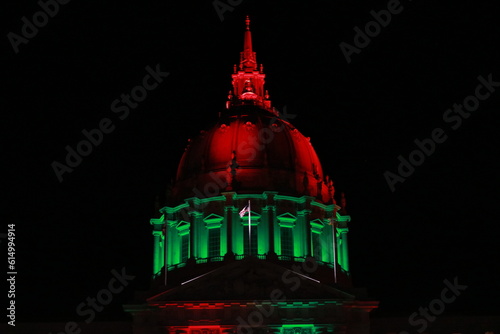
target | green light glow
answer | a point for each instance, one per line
(298, 329)
(304, 218)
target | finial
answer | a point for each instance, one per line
(343, 204)
(247, 57)
(248, 77)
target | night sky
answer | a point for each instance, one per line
(440, 223)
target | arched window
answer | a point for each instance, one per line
(317, 239)
(213, 223)
(316, 245)
(214, 242)
(286, 241)
(183, 239)
(246, 240)
(287, 223)
(184, 247)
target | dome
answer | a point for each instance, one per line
(251, 150)
(250, 186)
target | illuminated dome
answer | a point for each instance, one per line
(251, 186)
(249, 219)
(252, 148)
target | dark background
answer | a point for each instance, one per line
(441, 223)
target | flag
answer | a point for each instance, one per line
(244, 210)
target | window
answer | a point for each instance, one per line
(184, 247)
(254, 240)
(214, 242)
(316, 245)
(287, 241)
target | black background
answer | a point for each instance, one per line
(439, 224)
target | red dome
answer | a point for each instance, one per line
(250, 150)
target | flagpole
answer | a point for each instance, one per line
(334, 251)
(249, 230)
(165, 262)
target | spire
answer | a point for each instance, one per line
(248, 78)
(248, 61)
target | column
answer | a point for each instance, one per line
(158, 256)
(229, 231)
(344, 252)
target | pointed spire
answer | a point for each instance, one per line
(248, 79)
(247, 22)
(248, 61)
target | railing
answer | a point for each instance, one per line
(291, 258)
(177, 266)
(303, 259)
(242, 256)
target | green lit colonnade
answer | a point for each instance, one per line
(211, 229)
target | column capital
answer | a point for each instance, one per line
(158, 233)
(304, 212)
(342, 230)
